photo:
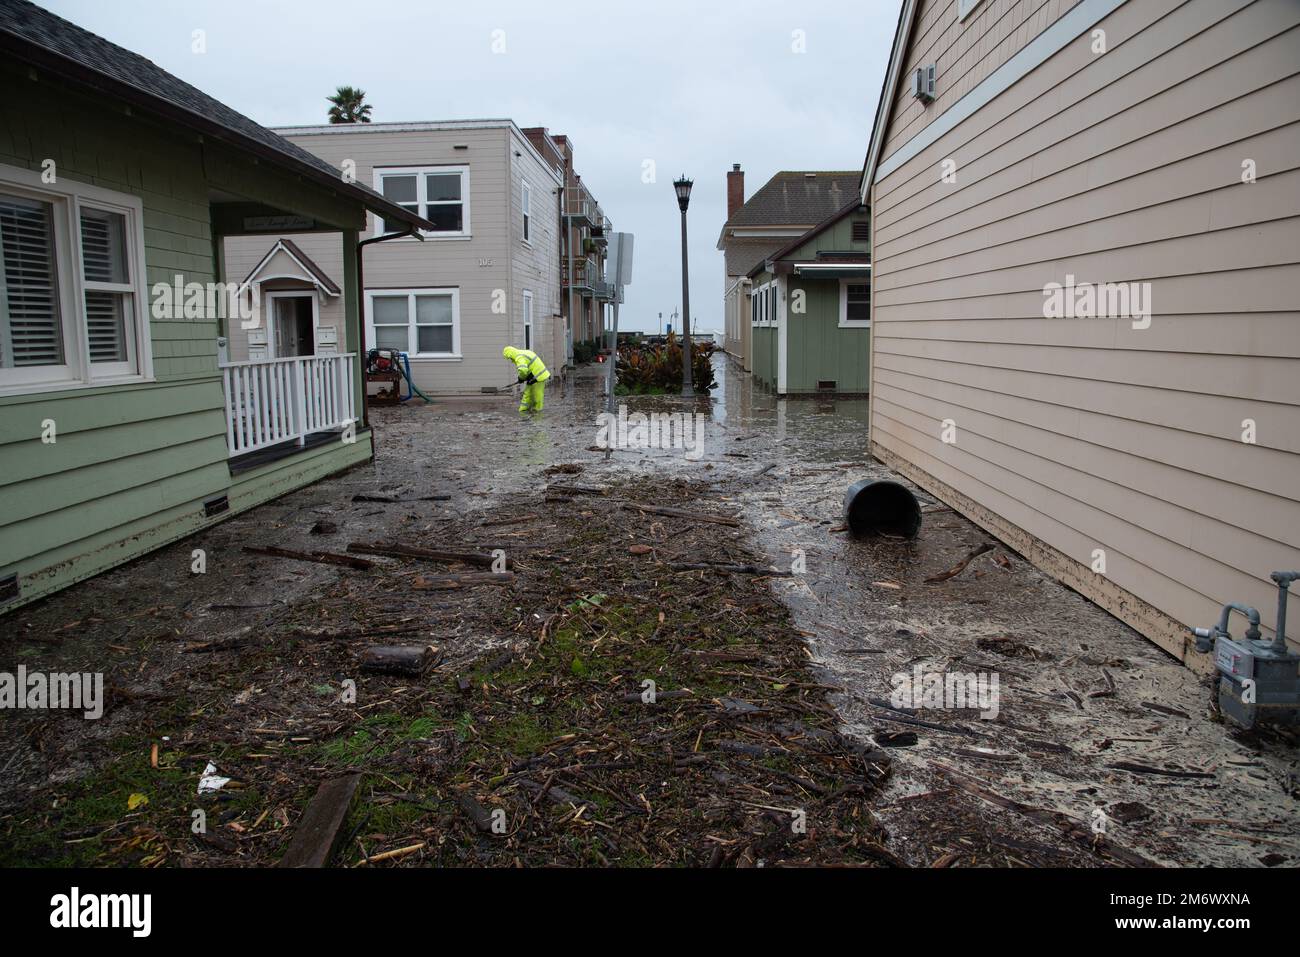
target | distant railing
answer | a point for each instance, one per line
(272, 401)
(582, 272)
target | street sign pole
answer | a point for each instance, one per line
(619, 266)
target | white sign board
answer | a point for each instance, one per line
(618, 261)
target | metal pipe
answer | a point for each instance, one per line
(1284, 580)
(361, 315)
(1251, 615)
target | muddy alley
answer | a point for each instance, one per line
(642, 658)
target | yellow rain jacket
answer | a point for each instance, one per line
(529, 363)
(532, 371)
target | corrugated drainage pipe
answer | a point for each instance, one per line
(876, 506)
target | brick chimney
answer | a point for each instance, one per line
(735, 190)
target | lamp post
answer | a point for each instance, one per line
(683, 188)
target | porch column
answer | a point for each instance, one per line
(352, 317)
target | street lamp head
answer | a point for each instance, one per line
(683, 187)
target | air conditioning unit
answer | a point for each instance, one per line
(923, 83)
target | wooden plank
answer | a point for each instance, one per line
(409, 660)
(323, 558)
(431, 554)
(443, 582)
(317, 835)
(683, 513)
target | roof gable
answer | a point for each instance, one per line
(790, 250)
(308, 271)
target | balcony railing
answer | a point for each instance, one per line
(274, 401)
(581, 273)
(580, 207)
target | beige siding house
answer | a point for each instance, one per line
(488, 277)
(1085, 290)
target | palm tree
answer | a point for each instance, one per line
(349, 106)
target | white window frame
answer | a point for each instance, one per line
(421, 197)
(845, 321)
(68, 197)
(528, 320)
(526, 204)
(411, 337)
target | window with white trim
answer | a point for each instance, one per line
(527, 203)
(528, 319)
(424, 323)
(855, 303)
(438, 193)
(763, 305)
(70, 285)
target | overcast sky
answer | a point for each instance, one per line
(693, 86)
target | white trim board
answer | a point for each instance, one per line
(1061, 33)
(905, 18)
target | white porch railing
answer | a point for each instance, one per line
(270, 401)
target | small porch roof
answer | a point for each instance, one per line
(310, 272)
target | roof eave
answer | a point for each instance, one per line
(906, 18)
(101, 83)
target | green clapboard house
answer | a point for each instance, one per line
(122, 428)
(810, 309)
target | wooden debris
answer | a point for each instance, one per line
(732, 569)
(393, 855)
(346, 634)
(323, 558)
(1070, 827)
(444, 582)
(572, 489)
(683, 513)
(961, 565)
(317, 834)
(895, 739)
(1165, 709)
(1136, 768)
(429, 554)
(475, 811)
(1109, 690)
(410, 660)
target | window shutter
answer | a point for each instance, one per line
(103, 259)
(106, 327)
(29, 292)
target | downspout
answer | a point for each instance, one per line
(361, 318)
(564, 254)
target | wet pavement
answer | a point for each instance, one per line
(1083, 700)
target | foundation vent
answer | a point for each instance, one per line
(215, 506)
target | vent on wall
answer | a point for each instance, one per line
(861, 231)
(923, 83)
(215, 506)
(826, 385)
(8, 589)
